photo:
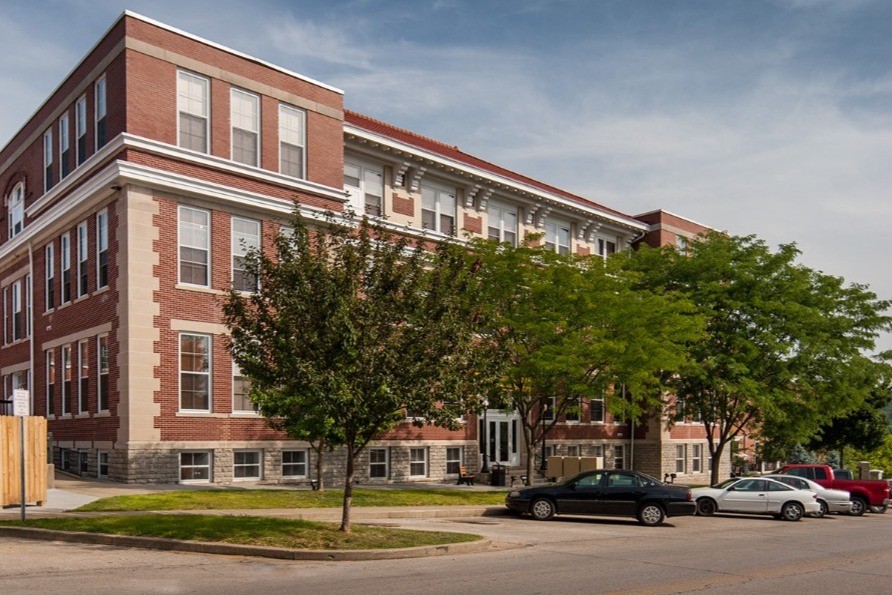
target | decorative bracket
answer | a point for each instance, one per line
(484, 199)
(415, 178)
(470, 193)
(531, 212)
(399, 176)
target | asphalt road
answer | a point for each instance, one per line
(723, 554)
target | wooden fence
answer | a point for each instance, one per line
(10, 460)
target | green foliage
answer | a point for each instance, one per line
(880, 458)
(800, 455)
(784, 344)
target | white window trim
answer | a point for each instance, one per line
(16, 210)
(425, 461)
(83, 259)
(438, 189)
(236, 371)
(78, 158)
(237, 248)
(65, 409)
(460, 459)
(64, 145)
(303, 145)
(65, 264)
(696, 458)
(28, 306)
(683, 459)
(358, 202)
(306, 463)
(49, 268)
(47, 157)
(233, 91)
(503, 208)
(207, 107)
(102, 216)
(99, 456)
(386, 463)
(49, 357)
(258, 464)
(209, 373)
(210, 466)
(99, 374)
(207, 247)
(557, 225)
(102, 80)
(78, 378)
(16, 310)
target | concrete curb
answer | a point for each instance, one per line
(246, 550)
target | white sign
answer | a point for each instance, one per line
(21, 403)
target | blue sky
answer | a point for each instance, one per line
(766, 117)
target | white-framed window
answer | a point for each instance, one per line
(5, 324)
(80, 129)
(606, 247)
(49, 266)
(598, 450)
(418, 461)
(28, 305)
(619, 456)
(681, 244)
(574, 411)
(680, 407)
(18, 321)
(247, 464)
(244, 115)
(438, 208)
(696, 458)
(83, 366)
(16, 208)
(365, 184)
(573, 450)
(502, 225)
(64, 146)
(550, 405)
(102, 463)
(294, 463)
(241, 392)
(50, 382)
(67, 377)
(379, 463)
(102, 366)
(195, 246)
(557, 236)
(597, 410)
(195, 372)
(193, 109)
(245, 237)
(454, 460)
(102, 248)
(292, 141)
(195, 466)
(681, 451)
(48, 160)
(82, 252)
(101, 111)
(65, 249)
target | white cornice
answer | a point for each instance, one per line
(398, 147)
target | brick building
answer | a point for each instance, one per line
(129, 197)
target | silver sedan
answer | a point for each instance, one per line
(830, 500)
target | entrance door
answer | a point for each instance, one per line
(502, 438)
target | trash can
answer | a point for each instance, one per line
(497, 475)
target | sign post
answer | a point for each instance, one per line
(21, 409)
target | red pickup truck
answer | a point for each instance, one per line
(864, 492)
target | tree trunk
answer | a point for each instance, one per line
(531, 454)
(716, 461)
(320, 451)
(348, 490)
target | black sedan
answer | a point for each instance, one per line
(605, 492)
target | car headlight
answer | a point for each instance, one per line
(514, 494)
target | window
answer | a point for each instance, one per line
(680, 457)
(453, 460)
(83, 361)
(194, 233)
(101, 112)
(619, 461)
(66, 268)
(294, 463)
(49, 265)
(548, 414)
(245, 237)
(241, 391)
(193, 108)
(573, 450)
(606, 247)
(679, 409)
(244, 115)
(502, 223)
(598, 450)
(292, 141)
(378, 463)
(365, 184)
(574, 411)
(195, 466)
(681, 244)
(82, 259)
(16, 205)
(418, 462)
(597, 407)
(18, 323)
(195, 372)
(102, 364)
(246, 464)
(101, 248)
(27, 305)
(102, 464)
(696, 458)
(64, 147)
(438, 209)
(557, 237)
(50, 382)
(66, 379)
(48, 160)
(80, 129)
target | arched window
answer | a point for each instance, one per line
(16, 209)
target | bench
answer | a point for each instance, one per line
(465, 477)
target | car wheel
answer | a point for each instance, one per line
(859, 506)
(878, 509)
(792, 511)
(706, 507)
(651, 515)
(542, 509)
(825, 510)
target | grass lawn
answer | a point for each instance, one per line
(245, 530)
(260, 499)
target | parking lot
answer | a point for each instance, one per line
(721, 554)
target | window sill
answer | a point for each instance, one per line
(104, 413)
(190, 413)
(246, 414)
(83, 415)
(199, 289)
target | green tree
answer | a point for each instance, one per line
(784, 344)
(351, 327)
(880, 458)
(564, 329)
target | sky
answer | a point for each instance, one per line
(765, 117)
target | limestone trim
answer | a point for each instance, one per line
(11, 369)
(195, 326)
(15, 276)
(75, 337)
